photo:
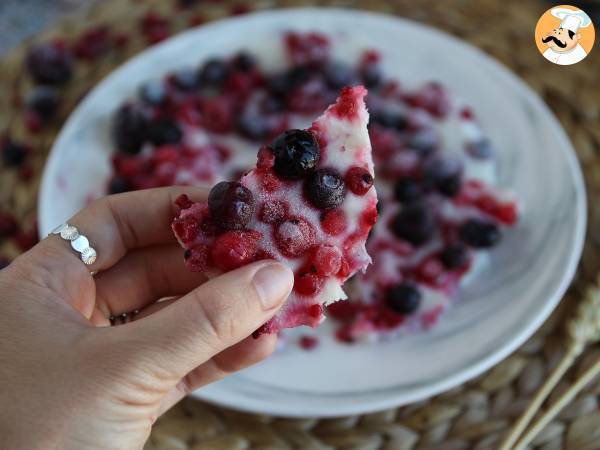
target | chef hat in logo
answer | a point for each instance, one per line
(571, 19)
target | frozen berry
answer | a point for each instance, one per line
(479, 233)
(481, 149)
(334, 222)
(253, 127)
(454, 256)
(389, 119)
(359, 180)
(296, 154)
(118, 185)
(308, 284)
(186, 79)
(404, 298)
(44, 101)
(371, 75)
(424, 142)
(307, 49)
(325, 189)
(130, 127)
(444, 173)
(414, 223)
(51, 64)
(338, 75)
(164, 131)
(326, 260)
(407, 190)
(13, 153)
(235, 249)
(153, 93)
(308, 342)
(197, 258)
(243, 61)
(213, 72)
(294, 236)
(231, 204)
(273, 212)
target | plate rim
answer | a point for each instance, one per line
(523, 91)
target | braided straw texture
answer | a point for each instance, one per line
(472, 416)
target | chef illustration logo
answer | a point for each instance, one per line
(564, 35)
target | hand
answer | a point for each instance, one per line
(68, 380)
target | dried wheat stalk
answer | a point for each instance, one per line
(583, 329)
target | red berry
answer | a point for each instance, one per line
(186, 228)
(315, 311)
(273, 212)
(93, 43)
(216, 115)
(235, 249)
(308, 284)
(183, 201)
(270, 182)
(344, 271)
(368, 218)
(308, 342)
(359, 180)
(507, 213)
(307, 49)
(197, 258)
(432, 271)
(343, 310)
(294, 236)
(334, 222)
(265, 158)
(327, 260)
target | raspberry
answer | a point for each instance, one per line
(334, 222)
(197, 258)
(308, 284)
(265, 158)
(270, 182)
(216, 115)
(294, 236)
(326, 260)
(273, 212)
(235, 249)
(343, 310)
(346, 107)
(307, 49)
(186, 228)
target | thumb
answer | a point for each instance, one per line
(213, 317)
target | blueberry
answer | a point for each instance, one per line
(186, 79)
(479, 233)
(371, 75)
(244, 61)
(130, 126)
(153, 93)
(273, 104)
(454, 256)
(164, 131)
(50, 64)
(444, 173)
(44, 101)
(424, 142)
(406, 190)
(231, 204)
(481, 149)
(280, 84)
(389, 119)
(13, 153)
(213, 72)
(403, 298)
(296, 154)
(414, 223)
(338, 75)
(118, 185)
(253, 127)
(325, 189)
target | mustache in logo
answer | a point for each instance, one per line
(555, 40)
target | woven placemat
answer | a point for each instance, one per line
(473, 416)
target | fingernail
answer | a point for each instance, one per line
(273, 283)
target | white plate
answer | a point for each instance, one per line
(497, 311)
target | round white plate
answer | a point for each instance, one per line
(497, 311)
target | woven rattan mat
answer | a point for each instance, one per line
(473, 416)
